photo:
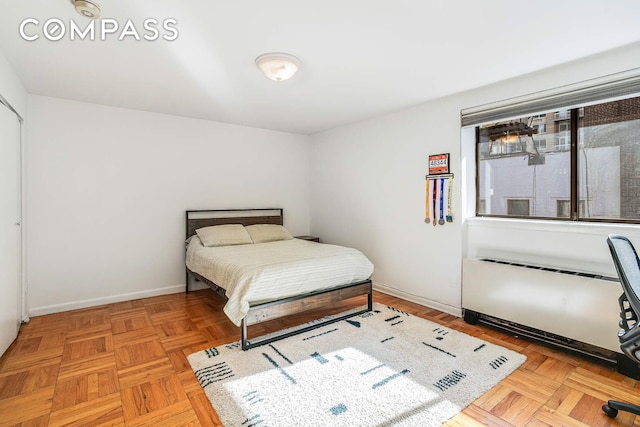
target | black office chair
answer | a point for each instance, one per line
(628, 268)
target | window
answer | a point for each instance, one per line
(537, 177)
(598, 179)
(564, 208)
(609, 160)
(541, 144)
(518, 207)
(563, 143)
(541, 128)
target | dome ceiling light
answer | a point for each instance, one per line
(87, 8)
(278, 66)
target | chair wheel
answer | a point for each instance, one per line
(611, 412)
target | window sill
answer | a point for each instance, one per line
(594, 228)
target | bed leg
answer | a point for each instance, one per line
(186, 283)
(370, 298)
(245, 345)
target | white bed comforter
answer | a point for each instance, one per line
(262, 272)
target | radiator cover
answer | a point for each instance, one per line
(568, 305)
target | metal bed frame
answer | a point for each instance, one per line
(263, 312)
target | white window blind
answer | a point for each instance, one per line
(609, 87)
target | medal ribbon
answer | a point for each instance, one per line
(449, 197)
(435, 191)
(441, 222)
(427, 215)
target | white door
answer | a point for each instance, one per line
(10, 234)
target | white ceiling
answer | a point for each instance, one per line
(360, 58)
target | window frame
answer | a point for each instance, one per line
(574, 113)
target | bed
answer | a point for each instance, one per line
(249, 258)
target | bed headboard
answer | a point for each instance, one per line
(204, 218)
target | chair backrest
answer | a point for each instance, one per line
(627, 265)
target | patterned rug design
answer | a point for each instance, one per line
(381, 368)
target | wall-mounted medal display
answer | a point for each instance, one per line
(438, 178)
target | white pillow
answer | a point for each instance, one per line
(261, 233)
(224, 235)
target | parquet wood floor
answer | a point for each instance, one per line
(125, 364)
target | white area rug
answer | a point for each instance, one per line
(381, 368)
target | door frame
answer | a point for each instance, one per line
(22, 292)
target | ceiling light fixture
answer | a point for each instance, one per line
(278, 66)
(87, 8)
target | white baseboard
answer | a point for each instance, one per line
(454, 311)
(74, 305)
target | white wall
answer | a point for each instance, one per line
(108, 187)
(368, 190)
